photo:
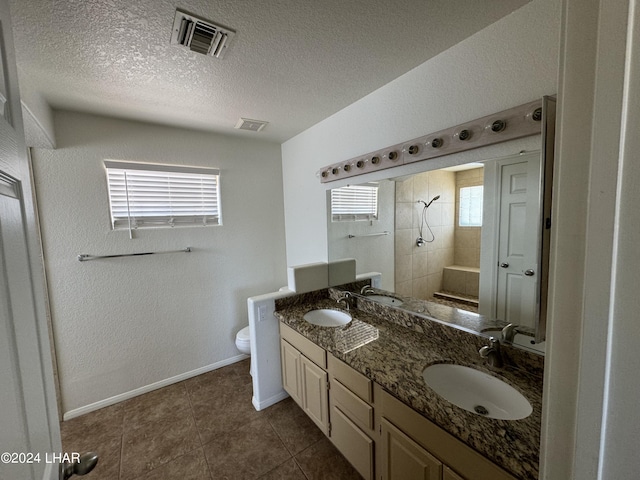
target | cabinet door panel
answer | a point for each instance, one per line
(314, 393)
(404, 459)
(352, 442)
(449, 474)
(291, 371)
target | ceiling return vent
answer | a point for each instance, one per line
(200, 35)
(251, 125)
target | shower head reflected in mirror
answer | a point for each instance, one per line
(427, 205)
(420, 241)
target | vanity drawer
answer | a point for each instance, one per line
(309, 349)
(354, 381)
(358, 411)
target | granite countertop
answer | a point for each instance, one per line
(446, 311)
(393, 347)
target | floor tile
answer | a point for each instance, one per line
(108, 449)
(235, 374)
(221, 410)
(293, 426)
(289, 470)
(104, 423)
(322, 461)
(164, 403)
(100, 432)
(156, 443)
(159, 435)
(247, 452)
(190, 466)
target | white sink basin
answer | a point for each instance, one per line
(327, 317)
(477, 392)
(386, 300)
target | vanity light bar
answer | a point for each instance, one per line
(522, 121)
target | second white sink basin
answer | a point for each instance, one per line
(327, 317)
(386, 300)
(477, 392)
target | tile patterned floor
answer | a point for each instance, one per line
(205, 428)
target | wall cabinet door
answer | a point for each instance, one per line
(314, 393)
(291, 371)
(404, 459)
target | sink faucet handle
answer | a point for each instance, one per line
(366, 289)
(494, 346)
(347, 298)
(509, 333)
(492, 353)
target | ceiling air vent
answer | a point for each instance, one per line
(251, 125)
(200, 35)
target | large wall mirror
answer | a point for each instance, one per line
(471, 236)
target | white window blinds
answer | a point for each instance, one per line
(354, 202)
(148, 195)
(470, 212)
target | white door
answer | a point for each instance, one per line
(28, 416)
(518, 241)
(23, 417)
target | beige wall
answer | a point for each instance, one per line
(467, 239)
(419, 269)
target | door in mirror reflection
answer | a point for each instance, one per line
(518, 191)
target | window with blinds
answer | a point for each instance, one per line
(354, 202)
(147, 195)
(470, 211)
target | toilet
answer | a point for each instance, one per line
(243, 341)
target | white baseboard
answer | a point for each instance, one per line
(148, 388)
(269, 401)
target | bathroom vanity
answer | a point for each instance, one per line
(362, 384)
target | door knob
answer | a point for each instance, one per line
(83, 465)
(504, 265)
(529, 273)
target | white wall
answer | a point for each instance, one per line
(372, 253)
(509, 63)
(37, 116)
(122, 324)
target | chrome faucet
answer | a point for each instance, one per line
(366, 290)
(347, 298)
(508, 333)
(492, 353)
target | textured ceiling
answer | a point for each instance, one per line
(292, 63)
